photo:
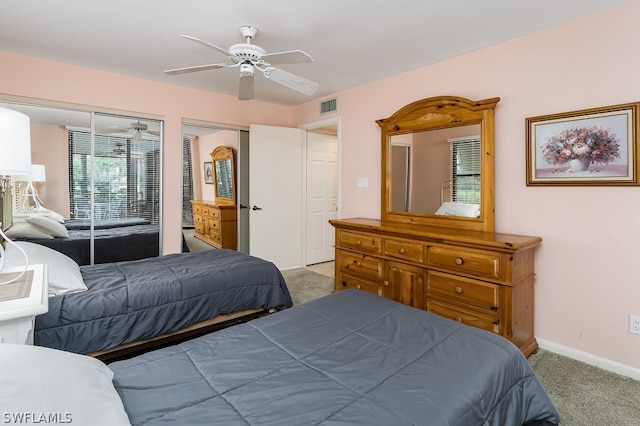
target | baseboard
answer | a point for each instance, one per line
(587, 358)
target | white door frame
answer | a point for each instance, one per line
(307, 127)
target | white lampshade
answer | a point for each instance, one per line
(15, 143)
(37, 174)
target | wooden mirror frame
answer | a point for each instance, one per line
(433, 114)
(223, 153)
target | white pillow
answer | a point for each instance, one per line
(459, 209)
(48, 225)
(25, 230)
(76, 389)
(64, 273)
(51, 214)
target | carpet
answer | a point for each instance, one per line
(305, 285)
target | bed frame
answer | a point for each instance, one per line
(138, 347)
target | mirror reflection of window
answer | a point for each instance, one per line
(465, 170)
(224, 184)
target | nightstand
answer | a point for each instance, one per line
(21, 302)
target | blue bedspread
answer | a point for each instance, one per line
(129, 301)
(347, 358)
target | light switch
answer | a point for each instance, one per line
(362, 182)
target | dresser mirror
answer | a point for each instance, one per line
(437, 163)
(224, 176)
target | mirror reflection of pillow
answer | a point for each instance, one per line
(23, 230)
(51, 214)
(64, 273)
(459, 209)
(48, 225)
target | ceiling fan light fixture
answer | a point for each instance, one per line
(246, 70)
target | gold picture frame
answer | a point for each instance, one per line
(590, 147)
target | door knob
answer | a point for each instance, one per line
(242, 206)
(256, 208)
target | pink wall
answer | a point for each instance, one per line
(587, 282)
(50, 146)
(25, 76)
(206, 145)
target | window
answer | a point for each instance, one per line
(126, 177)
(465, 169)
(187, 184)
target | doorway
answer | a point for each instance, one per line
(199, 138)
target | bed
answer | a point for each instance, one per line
(347, 358)
(129, 306)
(115, 240)
(459, 200)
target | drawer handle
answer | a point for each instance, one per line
(344, 283)
(458, 289)
(358, 286)
(358, 242)
(459, 261)
(358, 264)
(386, 283)
(458, 319)
(401, 251)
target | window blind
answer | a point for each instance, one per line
(187, 183)
(126, 177)
(465, 169)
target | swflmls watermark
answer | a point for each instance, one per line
(27, 417)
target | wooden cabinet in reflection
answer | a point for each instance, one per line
(215, 224)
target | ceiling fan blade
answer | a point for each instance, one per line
(195, 68)
(209, 45)
(110, 130)
(292, 81)
(153, 132)
(289, 57)
(246, 87)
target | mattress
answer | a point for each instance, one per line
(134, 300)
(347, 358)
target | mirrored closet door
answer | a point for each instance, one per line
(100, 182)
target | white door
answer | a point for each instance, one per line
(322, 196)
(275, 195)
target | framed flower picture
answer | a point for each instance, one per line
(208, 172)
(598, 146)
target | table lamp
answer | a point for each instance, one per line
(25, 192)
(15, 160)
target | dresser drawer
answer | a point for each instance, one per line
(199, 227)
(350, 282)
(479, 293)
(215, 225)
(465, 316)
(405, 250)
(361, 242)
(197, 208)
(198, 219)
(214, 213)
(216, 238)
(469, 262)
(360, 265)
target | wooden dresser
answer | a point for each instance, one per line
(482, 279)
(216, 224)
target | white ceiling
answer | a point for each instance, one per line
(353, 42)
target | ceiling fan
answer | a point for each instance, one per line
(249, 57)
(137, 130)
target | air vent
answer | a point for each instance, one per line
(328, 106)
